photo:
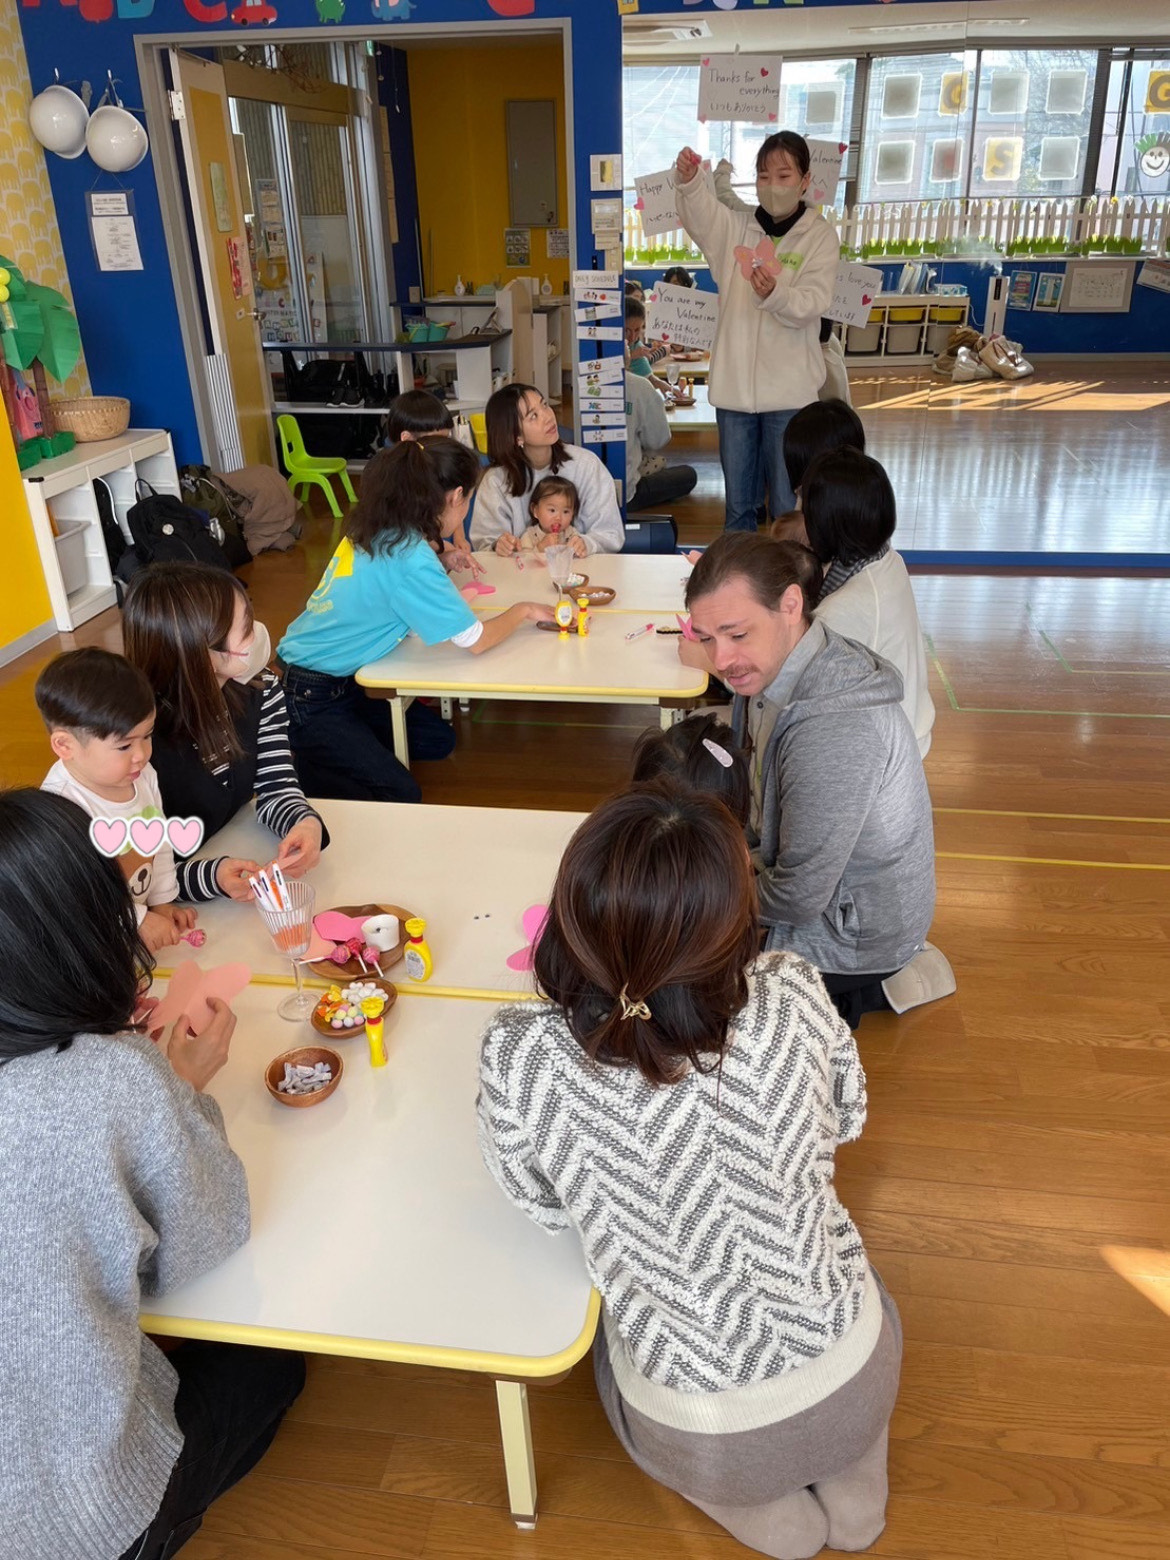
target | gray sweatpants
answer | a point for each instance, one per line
(789, 1489)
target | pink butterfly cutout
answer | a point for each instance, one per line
(190, 989)
(761, 258)
(532, 922)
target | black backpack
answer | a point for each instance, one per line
(165, 530)
(116, 543)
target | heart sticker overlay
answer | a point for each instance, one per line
(146, 835)
(185, 835)
(190, 990)
(533, 922)
(108, 834)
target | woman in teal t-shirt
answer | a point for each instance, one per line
(384, 581)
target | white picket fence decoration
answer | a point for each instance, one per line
(960, 225)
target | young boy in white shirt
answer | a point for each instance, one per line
(99, 712)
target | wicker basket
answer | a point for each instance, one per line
(92, 417)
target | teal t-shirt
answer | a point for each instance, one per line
(365, 606)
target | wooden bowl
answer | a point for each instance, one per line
(339, 974)
(597, 595)
(324, 1028)
(303, 1056)
(567, 590)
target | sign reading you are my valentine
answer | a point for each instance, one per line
(741, 87)
(824, 168)
(682, 316)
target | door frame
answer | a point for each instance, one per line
(152, 55)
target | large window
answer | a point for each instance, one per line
(1135, 140)
(660, 102)
(986, 123)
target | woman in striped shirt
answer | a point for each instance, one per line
(221, 732)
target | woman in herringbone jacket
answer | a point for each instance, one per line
(677, 1101)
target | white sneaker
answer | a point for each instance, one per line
(927, 978)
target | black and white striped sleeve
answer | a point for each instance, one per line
(197, 881)
(280, 802)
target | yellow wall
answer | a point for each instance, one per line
(28, 218)
(24, 597)
(457, 99)
(29, 237)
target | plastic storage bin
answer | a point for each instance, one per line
(902, 339)
(70, 544)
(866, 338)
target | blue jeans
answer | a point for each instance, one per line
(751, 443)
(343, 744)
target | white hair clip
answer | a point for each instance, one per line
(719, 754)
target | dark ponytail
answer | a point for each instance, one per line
(404, 492)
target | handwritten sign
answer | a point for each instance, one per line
(854, 291)
(584, 281)
(740, 87)
(655, 201)
(603, 435)
(602, 311)
(824, 167)
(682, 316)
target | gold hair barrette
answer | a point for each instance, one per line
(632, 1009)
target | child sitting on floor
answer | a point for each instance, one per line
(553, 506)
(99, 712)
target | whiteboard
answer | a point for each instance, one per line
(1097, 287)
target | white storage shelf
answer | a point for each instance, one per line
(914, 340)
(60, 495)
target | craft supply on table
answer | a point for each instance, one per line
(287, 912)
(196, 937)
(310, 1058)
(419, 964)
(636, 633)
(564, 615)
(372, 1011)
(582, 616)
(191, 990)
(356, 940)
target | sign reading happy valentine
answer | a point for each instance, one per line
(854, 291)
(824, 167)
(655, 201)
(682, 316)
(741, 87)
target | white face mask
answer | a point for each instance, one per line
(258, 656)
(778, 200)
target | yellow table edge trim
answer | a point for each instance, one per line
(471, 993)
(519, 1365)
(546, 693)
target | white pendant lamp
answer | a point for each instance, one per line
(57, 118)
(113, 137)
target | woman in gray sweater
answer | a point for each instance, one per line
(116, 1182)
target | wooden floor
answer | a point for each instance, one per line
(1013, 1182)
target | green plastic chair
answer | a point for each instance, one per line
(305, 470)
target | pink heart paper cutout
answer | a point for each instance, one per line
(763, 72)
(866, 299)
(771, 118)
(761, 258)
(639, 204)
(818, 195)
(707, 61)
(842, 147)
(337, 927)
(476, 588)
(146, 835)
(185, 835)
(319, 948)
(190, 988)
(532, 923)
(108, 834)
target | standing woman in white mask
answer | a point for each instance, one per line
(775, 270)
(221, 727)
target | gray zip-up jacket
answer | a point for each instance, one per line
(845, 852)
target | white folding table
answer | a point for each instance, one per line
(471, 872)
(376, 1230)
